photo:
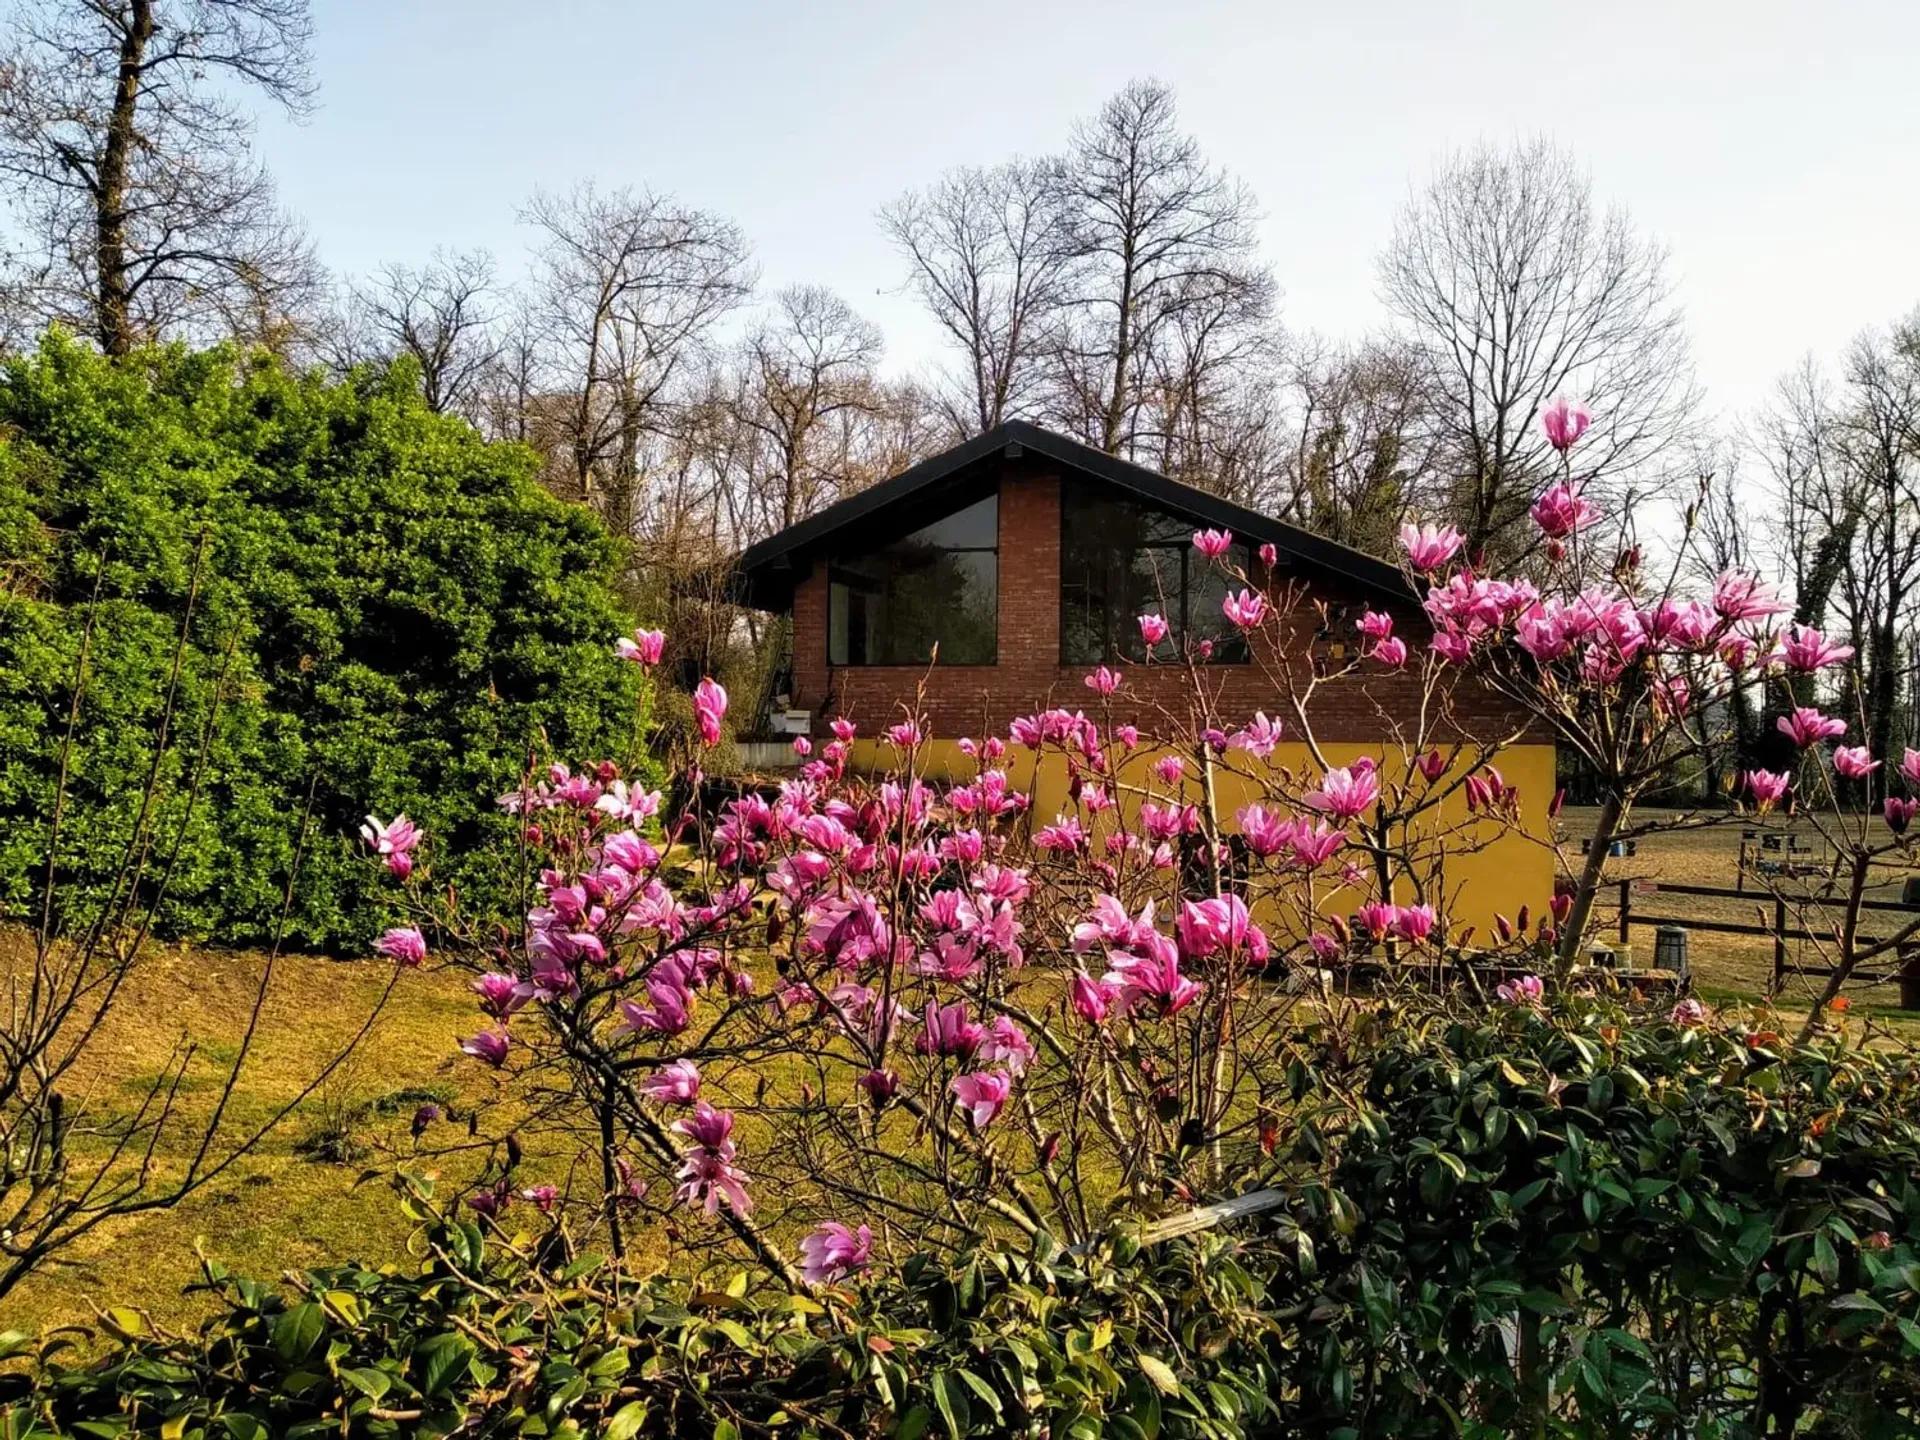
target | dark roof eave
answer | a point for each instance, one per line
(765, 573)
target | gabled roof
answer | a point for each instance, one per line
(767, 572)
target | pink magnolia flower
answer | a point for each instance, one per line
(1413, 922)
(1429, 547)
(1269, 555)
(1212, 543)
(1688, 1012)
(1767, 788)
(981, 1093)
(1153, 629)
(833, 1251)
(1391, 652)
(489, 1046)
(1265, 831)
(1089, 998)
(542, 1197)
(1433, 765)
(1377, 918)
(843, 729)
(393, 843)
(1104, 681)
(708, 1177)
(1220, 922)
(1375, 625)
(1855, 762)
(645, 648)
(500, 995)
(674, 1084)
(1527, 990)
(1245, 609)
(1154, 977)
(709, 707)
(1807, 727)
(1807, 650)
(1258, 737)
(1066, 833)
(1738, 597)
(1564, 422)
(1008, 1045)
(1899, 813)
(1346, 793)
(1561, 511)
(948, 1031)
(402, 943)
(1169, 769)
(1910, 767)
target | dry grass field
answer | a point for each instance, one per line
(1729, 966)
(284, 1205)
(292, 1204)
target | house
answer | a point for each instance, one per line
(1025, 558)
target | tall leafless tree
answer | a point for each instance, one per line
(628, 288)
(812, 359)
(127, 161)
(1363, 440)
(440, 315)
(988, 255)
(1166, 289)
(1514, 289)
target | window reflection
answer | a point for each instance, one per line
(939, 585)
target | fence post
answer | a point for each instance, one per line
(1626, 910)
(1779, 941)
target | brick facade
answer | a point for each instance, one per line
(982, 699)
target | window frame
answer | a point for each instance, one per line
(1114, 646)
(835, 570)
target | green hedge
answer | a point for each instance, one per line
(398, 609)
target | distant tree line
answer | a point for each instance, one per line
(1114, 290)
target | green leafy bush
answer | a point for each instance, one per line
(1622, 1224)
(494, 1337)
(391, 610)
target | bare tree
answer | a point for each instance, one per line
(811, 360)
(1166, 292)
(628, 287)
(127, 161)
(440, 315)
(1514, 289)
(989, 255)
(1364, 449)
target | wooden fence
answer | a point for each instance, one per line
(1778, 924)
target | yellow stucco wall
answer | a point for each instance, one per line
(1487, 867)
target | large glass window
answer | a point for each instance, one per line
(939, 585)
(1120, 560)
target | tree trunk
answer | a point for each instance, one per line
(113, 316)
(1612, 808)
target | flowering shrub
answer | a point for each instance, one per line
(861, 1001)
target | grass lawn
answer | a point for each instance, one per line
(1729, 966)
(277, 1208)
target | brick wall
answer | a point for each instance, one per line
(981, 699)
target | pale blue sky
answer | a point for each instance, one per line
(1773, 144)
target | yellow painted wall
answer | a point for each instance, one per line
(1490, 867)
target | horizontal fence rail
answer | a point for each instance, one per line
(1778, 927)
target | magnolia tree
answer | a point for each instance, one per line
(884, 1014)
